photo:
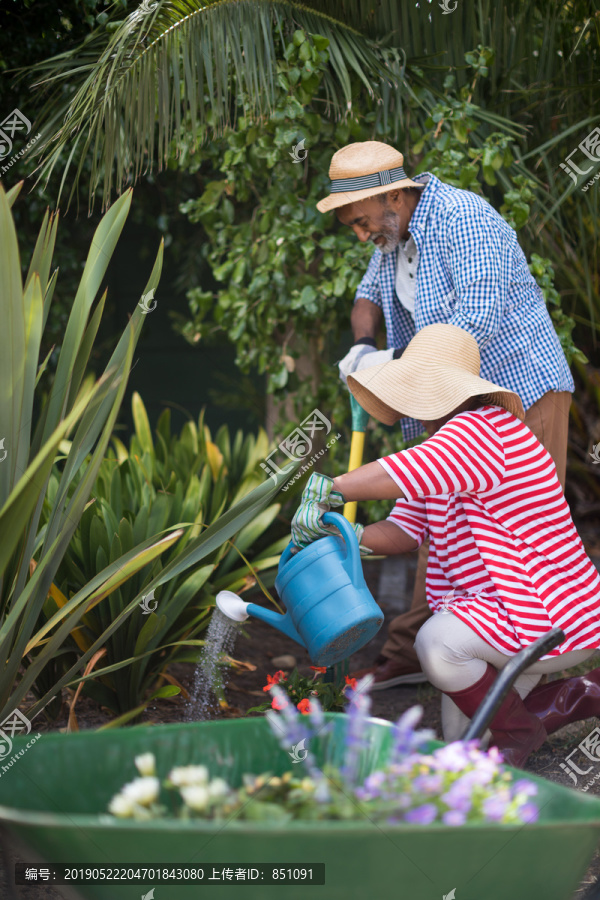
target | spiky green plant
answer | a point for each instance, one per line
(85, 410)
(31, 438)
(166, 483)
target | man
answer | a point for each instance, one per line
(444, 255)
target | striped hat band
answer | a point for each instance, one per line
(362, 182)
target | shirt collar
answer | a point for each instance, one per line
(418, 220)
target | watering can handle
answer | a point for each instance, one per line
(287, 553)
(349, 536)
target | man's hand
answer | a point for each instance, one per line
(362, 356)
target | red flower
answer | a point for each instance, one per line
(320, 669)
(350, 682)
(304, 706)
(275, 704)
(275, 679)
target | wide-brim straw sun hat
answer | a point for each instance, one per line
(438, 371)
(363, 170)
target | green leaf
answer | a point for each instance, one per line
(142, 423)
(149, 629)
(489, 175)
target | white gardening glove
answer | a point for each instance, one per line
(362, 356)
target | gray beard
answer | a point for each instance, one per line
(391, 243)
(389, 247)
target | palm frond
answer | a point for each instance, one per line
(175, 68)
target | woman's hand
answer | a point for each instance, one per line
(318, 498)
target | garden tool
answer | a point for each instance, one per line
(329, 608)
(357, 445)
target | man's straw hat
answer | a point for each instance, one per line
(362, 170)
(437, 372)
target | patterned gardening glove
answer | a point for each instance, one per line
(359, 531)
(318, 497)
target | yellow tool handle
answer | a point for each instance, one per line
(357, 446)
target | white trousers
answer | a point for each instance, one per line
(454, 657)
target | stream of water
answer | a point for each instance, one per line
(220, 639)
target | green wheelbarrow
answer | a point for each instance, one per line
(52, 801)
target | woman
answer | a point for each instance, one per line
(506, 563)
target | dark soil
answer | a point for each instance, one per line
(257, 645)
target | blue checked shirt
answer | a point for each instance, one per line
(472, 273)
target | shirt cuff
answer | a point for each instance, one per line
(371, 294)
(367, 340)
(417, 534)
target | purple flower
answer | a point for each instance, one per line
(486, 772)
(494, 808)
(453, 757)
(359, 709)
(529, 813)
(522, 786)
(316, 714)
(405, 739)
(454, 817)
(291, 728)
(407, 765)
(478, 777)
(474, 751)
(458, 798)
(421, 815)
(428, 784)
(495, 755)
(404, 731)
(288, 726)
(374, 781)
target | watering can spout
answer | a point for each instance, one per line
(235, 608)
(232, 606)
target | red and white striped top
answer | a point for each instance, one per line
(501, 535)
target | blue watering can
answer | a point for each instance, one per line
(330, 610)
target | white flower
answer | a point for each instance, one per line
(142, 790)
(218, 788)
(279, 241)
(146, 764)
(122, 807)
(184, 775)
(195, 796)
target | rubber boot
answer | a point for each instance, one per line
(516, 731)
(558, 703)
